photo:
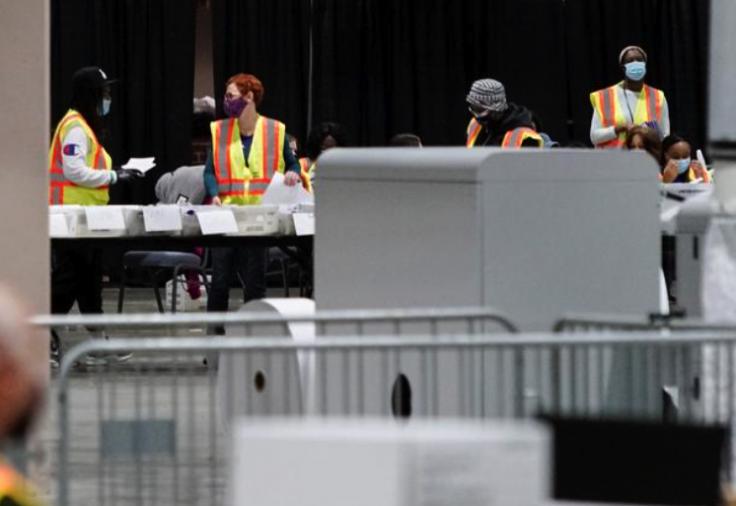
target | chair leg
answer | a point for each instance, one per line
(121, 292)
(175, 288)
(159, 301)
(285, 277)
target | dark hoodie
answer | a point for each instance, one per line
(516, 116)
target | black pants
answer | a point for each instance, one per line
(250, 262)
(76, 276)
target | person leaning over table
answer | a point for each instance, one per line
(619, 108)
(247, 150)
(81, 173)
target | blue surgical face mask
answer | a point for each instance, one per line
(105, 107)
(683, 165)
(636, 70)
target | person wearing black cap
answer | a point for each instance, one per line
(80, 173)
(495, 121)
(630, 103)
(80, 169)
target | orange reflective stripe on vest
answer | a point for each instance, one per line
(240, 182)
(607, 104)
(271, 153)
(515, 138)
(473, 131)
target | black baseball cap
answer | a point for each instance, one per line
(91, 78)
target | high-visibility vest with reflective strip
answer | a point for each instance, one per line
(474, 130)
(306, 171)
(240, 183)
(61, 190)
(515, 138)
(14, 489)
(307, 168)
(606, 102)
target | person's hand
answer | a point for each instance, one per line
(670, 172)
(292, 179)
(620, 129)
(216, 201)
(700, 171)
(127, 176)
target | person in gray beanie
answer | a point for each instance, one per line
(494, 119)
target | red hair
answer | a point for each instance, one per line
(246, 83)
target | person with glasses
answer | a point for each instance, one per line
(630, 103)
(495, 121)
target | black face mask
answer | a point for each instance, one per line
(490, 119)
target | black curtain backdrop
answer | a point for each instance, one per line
(148, 45)
(269, 39)
(384, 67)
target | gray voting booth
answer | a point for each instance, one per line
(536, 234)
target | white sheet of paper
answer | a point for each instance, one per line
(221, 221)
(278, 193)
(104, 218)
(304, 223)
(162, 218)
(58, 227)
(141, 164)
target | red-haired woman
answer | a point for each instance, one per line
(247, 150)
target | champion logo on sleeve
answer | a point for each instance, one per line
(71, 149)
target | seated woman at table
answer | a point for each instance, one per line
(677, 164)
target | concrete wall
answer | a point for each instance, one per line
(24, 141)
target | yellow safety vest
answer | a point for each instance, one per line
(14, 489)
(240, 183)
(611, 112)
(473, 131)
(307, 170)
(515, 138)
(61, 190)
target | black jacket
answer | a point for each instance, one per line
(516, 116)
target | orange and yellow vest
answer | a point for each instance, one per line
(516, 137)
(14, 489)
(61, 190)
(474, 130)
(307, 168)
(606, 102)
(241, 183)
(512, 139)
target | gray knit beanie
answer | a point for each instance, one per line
(488, 93)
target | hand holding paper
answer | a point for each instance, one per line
(278, 193)
(142, 165)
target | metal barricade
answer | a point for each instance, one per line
(155, 431)
(468, 320)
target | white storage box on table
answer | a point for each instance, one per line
(256, 220)
(286, 217)
(121, 220)
(189, 222)
(369, 463)
(251, 220)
